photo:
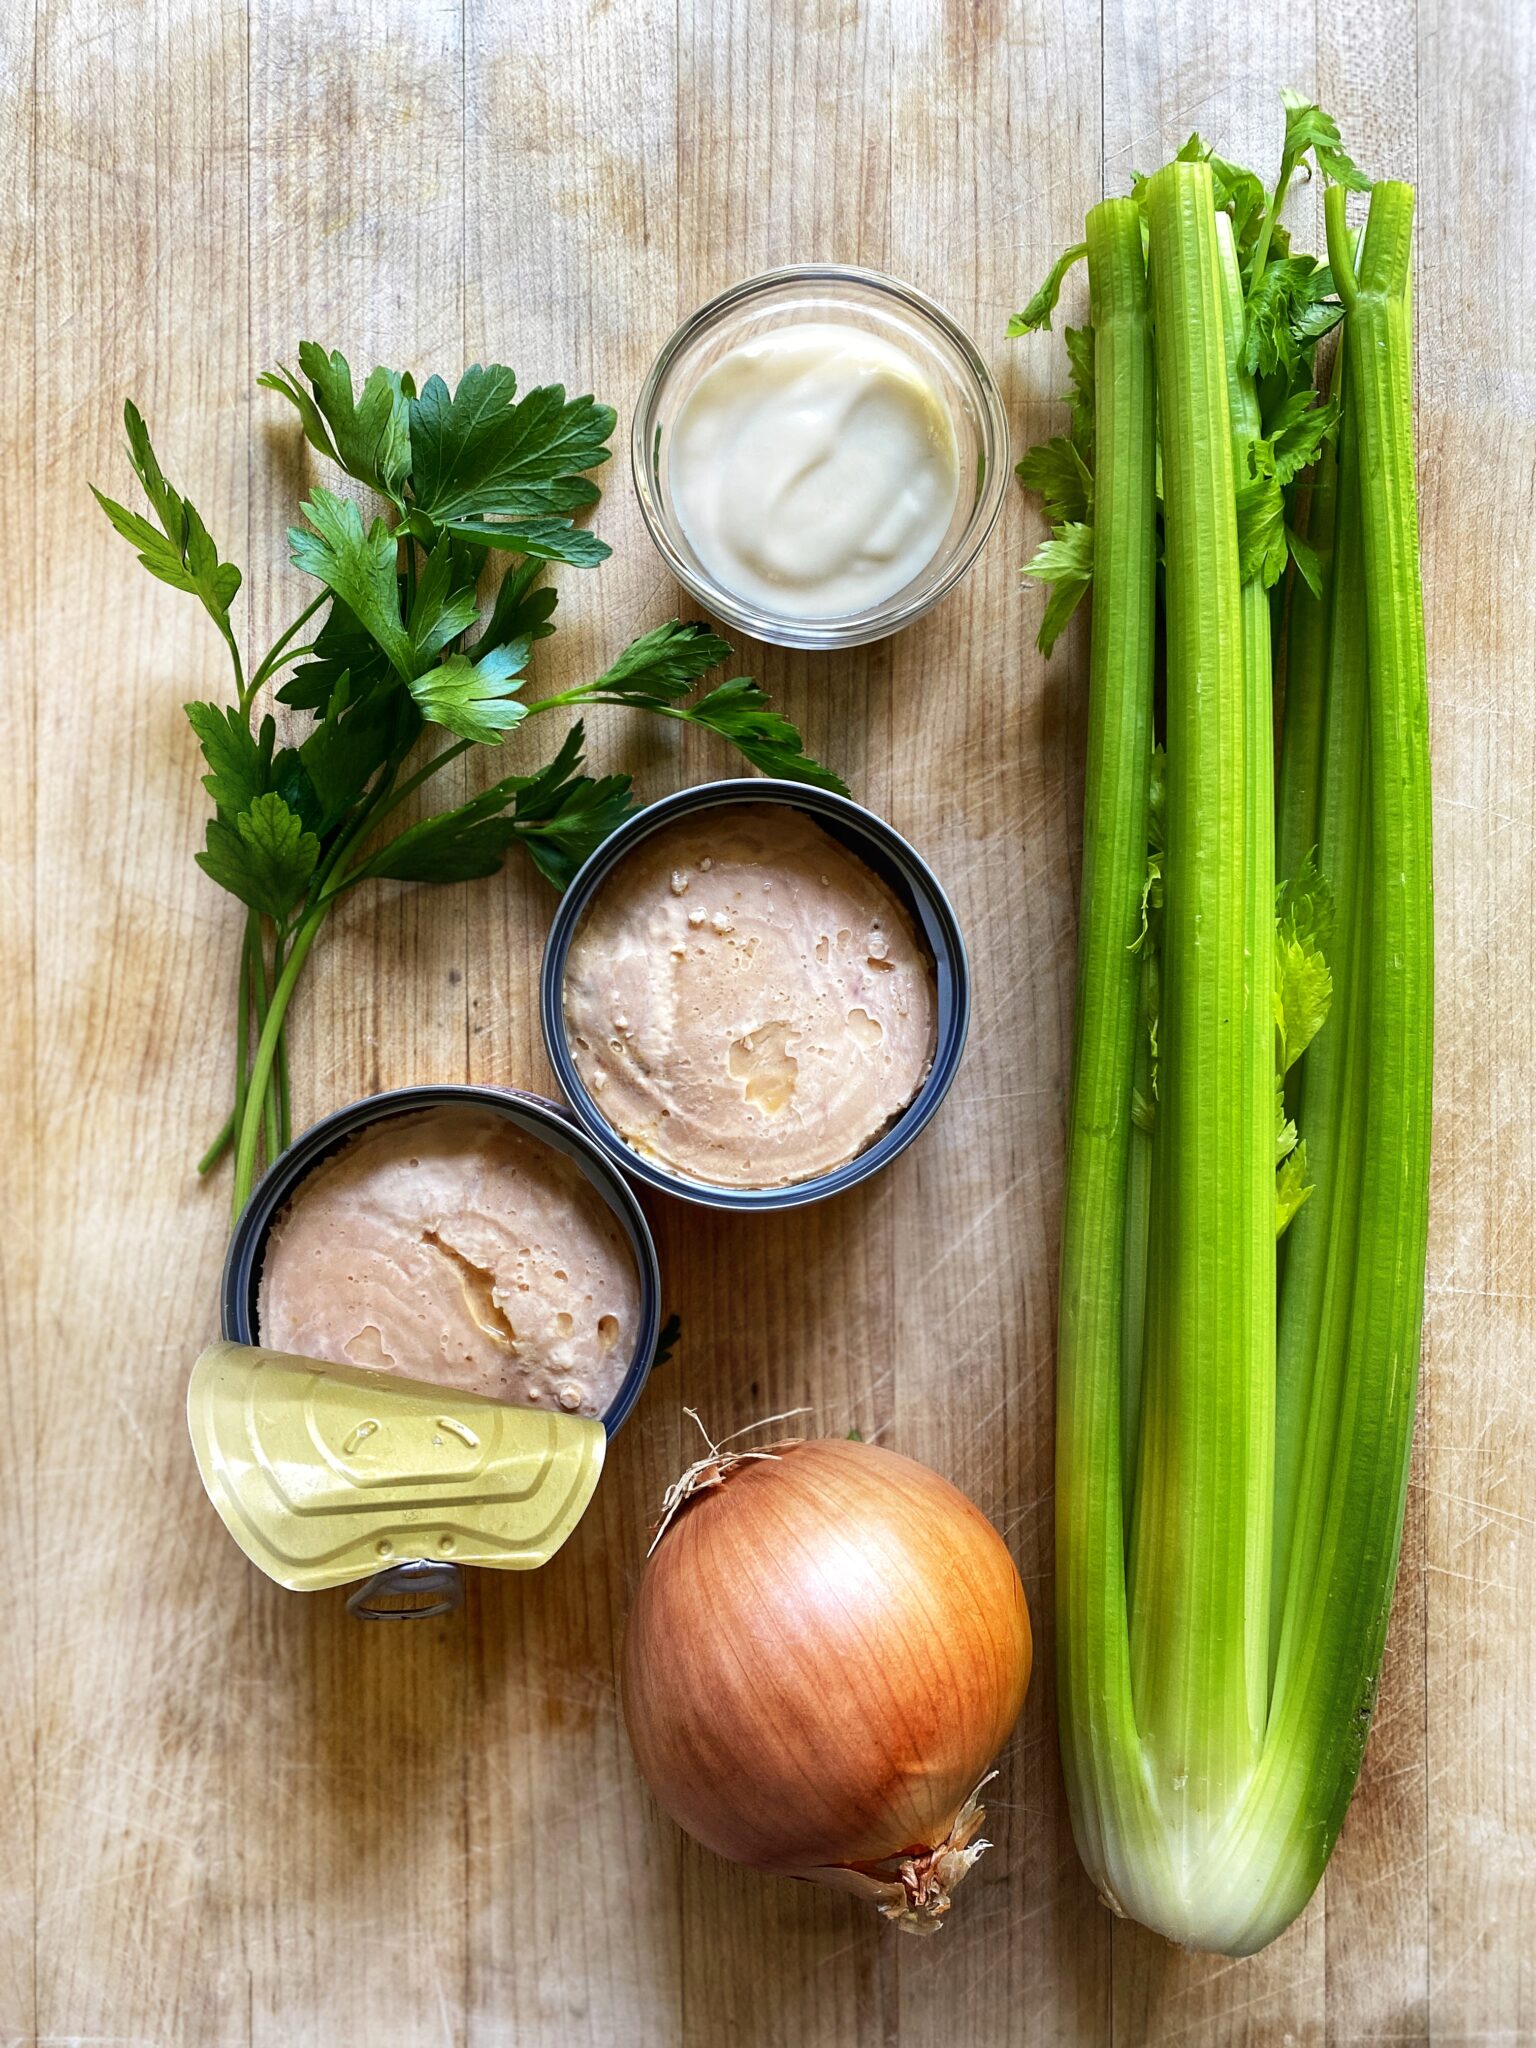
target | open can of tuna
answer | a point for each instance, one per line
(460, 1409)
(754, 994)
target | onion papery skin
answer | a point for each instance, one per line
(828, 1647)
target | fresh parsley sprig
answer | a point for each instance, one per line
(401, 651)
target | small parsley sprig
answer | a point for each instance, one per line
(400, 653)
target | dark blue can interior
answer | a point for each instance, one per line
(880, 848)
(531, 1113)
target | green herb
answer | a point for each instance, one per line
(398, 654)
(1234, 1422)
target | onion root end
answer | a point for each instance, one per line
(914, 1891)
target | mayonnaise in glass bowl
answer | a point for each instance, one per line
(704, 446)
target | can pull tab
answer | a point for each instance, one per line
(418, 1589)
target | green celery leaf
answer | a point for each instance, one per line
(1037, 313)
(1261, 544)
(475, 699)
(1303, 983)
(1285, 1129)
(238, 761)
(1079, 341)
(1065, 561)
(1241, 194)
(740, 712)
(1304, 905)
(1152, 880)
(1307, 127)
(478, 455)
(1319, 314)
(265, 858)
(359, 567)
(1291, 1188)
(1268, 340)
(1298, 431)
(1056, 470)
(1304, 555)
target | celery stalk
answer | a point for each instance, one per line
(1324, 803)
(1326, 1681)
(1099, 1743)
(1232, 1469)
(1258, 815)
(1199, 1571)
(1349, 1522)
(1138, 1240)
(1302, 753)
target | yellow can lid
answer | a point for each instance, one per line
(325, 1474)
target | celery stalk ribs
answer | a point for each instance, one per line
(1248, 1140)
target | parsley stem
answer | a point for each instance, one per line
(219, 1147)
(227, 630)
(260, 994)
(584, 693)
(284, 1092)
(330, 880)
(243, 1027)
(581, 694)
(273, 658)
(414, 782)
(266, 1051)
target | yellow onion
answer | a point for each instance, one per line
(829, 1646)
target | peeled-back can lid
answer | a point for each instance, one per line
(325, 1474)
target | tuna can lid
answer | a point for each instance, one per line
(329, 1474)
(332, 1475)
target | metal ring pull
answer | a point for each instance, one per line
(431, 1586)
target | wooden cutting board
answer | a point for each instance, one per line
(231, 1815)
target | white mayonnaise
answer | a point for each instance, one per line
(814, 470)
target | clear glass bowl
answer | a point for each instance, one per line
(903, 317)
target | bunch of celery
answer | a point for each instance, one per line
(1244, 1231)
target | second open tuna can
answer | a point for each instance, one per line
(754, 994)
(398, 1466)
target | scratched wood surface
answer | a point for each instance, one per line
(230, 1816)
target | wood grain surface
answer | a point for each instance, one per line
(228, 1815)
